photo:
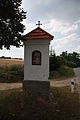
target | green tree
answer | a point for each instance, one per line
(72, 59)
(11, 28)
(64, 54)
(56, 62)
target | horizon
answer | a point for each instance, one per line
(9, 57)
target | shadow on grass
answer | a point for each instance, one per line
(21, 105)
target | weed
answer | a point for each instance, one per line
(14, 73)
(62, 73)
(17, 105)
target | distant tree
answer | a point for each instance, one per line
(11, 28)
(72, 59)
(64, 54)
(56, 62)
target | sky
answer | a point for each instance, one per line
(61, 18)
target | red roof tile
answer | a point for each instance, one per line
(38, 34)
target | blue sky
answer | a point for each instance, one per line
(61, 18)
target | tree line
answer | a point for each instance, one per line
(64, 59)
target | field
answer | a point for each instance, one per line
(23, 105)
(11, 70)
(9, 62)
(17, 104)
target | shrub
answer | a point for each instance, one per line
(71, 64)
(14, 73)
(62, 73)
(66, 71)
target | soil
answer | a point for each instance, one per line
(62, 83)
(7, 86)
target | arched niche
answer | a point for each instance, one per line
(36, 57)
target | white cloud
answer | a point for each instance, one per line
(64, 10)
(77, 22)
(63, 28)
(77, 49)
(28, 26)
(61, 16)
(68, 43)
(13, 52)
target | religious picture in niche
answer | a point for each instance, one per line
(36, 58)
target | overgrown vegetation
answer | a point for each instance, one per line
(21, 105)
(67, 103)
(14, 73)
(71, 59)
(62, 72)
(61, 67)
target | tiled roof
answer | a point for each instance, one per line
(38, 34)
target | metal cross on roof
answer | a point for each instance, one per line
(39, 24)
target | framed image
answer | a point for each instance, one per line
(36, 58)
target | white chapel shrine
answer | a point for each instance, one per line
(36, 61)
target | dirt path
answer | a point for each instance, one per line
(61, 83)
(7, 86)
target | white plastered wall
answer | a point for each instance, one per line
(36, 72)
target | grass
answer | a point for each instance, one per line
(9, 62)
(11, 70)
(62, 73)
(17, 105)
(13, 73)
(68, 104)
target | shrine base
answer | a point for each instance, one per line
(39, 87)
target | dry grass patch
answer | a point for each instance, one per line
(12, 73)
(68, 104)
(9, 62)
(17, 105)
